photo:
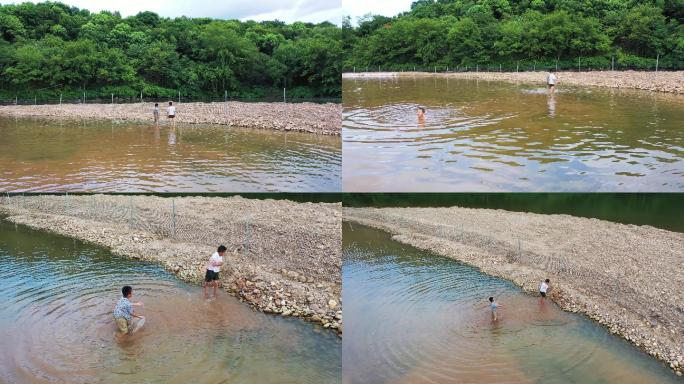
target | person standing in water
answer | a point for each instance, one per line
(493, 305)
(123, 312)
(544, 288)
(213, 268)
(551, 80)
(155, 113)
(171, 113)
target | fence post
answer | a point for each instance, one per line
(612, 63)
(657, 60)
(579, 64)
(477, 68)
(35, 100)
(173, 202)
(225, 95)
(16, 100)
(130, 212)
(534, 67)
(141, 96)
(112, 98)
(556, 64)
(517, 66)
(245, 246)
(499, 67)
(284, 95)
(84, 99)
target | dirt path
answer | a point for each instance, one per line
(324, 119)
(284, 257)
(625, 277)
(670, 82)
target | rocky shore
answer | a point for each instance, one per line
(283, 257)
(323, 119)
(625, 277)
(663, 81)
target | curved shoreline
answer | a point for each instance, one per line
(277, 276)
(322, 119)
(609, 276)
(663, 81)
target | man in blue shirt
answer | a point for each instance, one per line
(123, 313)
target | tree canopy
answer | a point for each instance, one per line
(628, 33)
(53, 46)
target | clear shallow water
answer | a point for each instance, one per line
(496, 136)
(56, 324)
(49, 156)
(414, 317)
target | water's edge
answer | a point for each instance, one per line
(304, 117)
(563, 301)
(187, 274)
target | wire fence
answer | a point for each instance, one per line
(169, 220)
(577, 64)
(97, 98)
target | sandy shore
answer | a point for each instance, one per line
(625, 277)
(671, 82)
(283, 257)
(324, 119)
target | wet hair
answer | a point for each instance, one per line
(126, 290)
(547, 281)
(156, 104)
(170, 102)
(222, 248)
(422, 109)
(491, 299)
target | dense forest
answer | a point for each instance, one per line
(487, 34)
(50, 48)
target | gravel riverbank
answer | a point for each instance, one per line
(324, 119)
(670, 82)
(283, 257)
(625, 277)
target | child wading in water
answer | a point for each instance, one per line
(123, 313)
(493, 305)
(155, 113)
(551, 80)
(544, 288)
(213, 268)
(171, 113)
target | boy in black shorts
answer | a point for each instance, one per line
(213, 268)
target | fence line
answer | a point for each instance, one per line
(519, 66)
(166, 220)
(114, 99)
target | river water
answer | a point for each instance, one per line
(415, 317)
(480, 136)
(54, 156)
(56, 324)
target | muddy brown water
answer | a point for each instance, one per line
(56, 324)
(497, 136)
(415, 317)
(77, 155)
